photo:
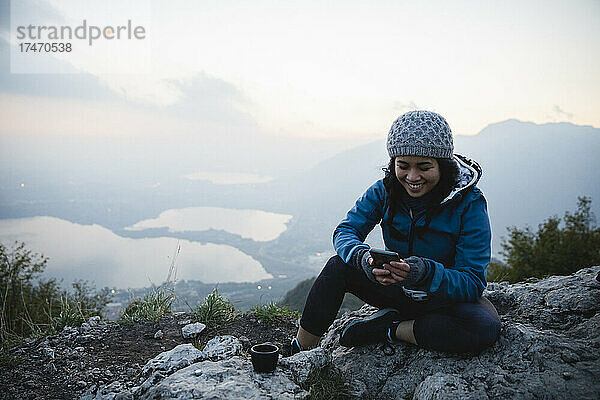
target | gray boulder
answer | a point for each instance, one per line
(225, 379)
(192, 330)
(549, 347)
(222, 347)
(299, 366)
(179, 357)
(166, 363)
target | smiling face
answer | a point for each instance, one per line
(417, 174)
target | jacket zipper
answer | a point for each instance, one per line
(411, 233)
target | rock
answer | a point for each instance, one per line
(158, 335)
(69, 332)
(222, 347)
(48, 352)
(231, 377)
(300, 365)
(185, 322)
(94, 321)
(225, 379)
(179, 357)
(168, 362)
(82, 339)
(441, 386)
(549, 347)
(85, 327)
(192, 330)
(113, 391)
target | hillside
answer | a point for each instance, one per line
(549, 347)
(295, 299)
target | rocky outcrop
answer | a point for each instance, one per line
(222, 372)
(549, 348)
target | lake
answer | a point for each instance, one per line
(95, 253)
(252, 224)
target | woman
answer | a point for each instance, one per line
(433, 215)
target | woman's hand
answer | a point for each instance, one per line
(390, 273)
(398, 270)
(395, 272)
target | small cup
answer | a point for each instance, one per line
(264, 357)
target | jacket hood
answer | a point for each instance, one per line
(469, 173)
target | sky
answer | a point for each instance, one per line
(306, 69)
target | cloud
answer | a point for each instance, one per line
(560, 113)
(210, 100)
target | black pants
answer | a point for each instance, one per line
(441, 326)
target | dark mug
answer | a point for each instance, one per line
(264, 357)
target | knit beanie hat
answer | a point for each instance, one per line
(420, 133)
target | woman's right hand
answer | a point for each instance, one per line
(382, 276)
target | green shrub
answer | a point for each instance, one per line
(151, 307)
(31, 307)
(77, 307)
(214, 310)
(553, 249)
(497, 271)
(269, 313)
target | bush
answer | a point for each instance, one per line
(271, 312)
(553, 249)
(151, 307)
(77, 307)
(24, 305)
(33, 306)
(215, 309)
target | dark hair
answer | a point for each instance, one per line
(448, 179)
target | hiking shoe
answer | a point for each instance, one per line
(374, 329)
(295, 347)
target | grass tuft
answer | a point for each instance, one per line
(271, 312)
(150, 308)
(327, 384)
(71, 314)
(215, 309)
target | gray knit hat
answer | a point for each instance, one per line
(420, 133)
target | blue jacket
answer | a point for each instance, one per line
(456, 244)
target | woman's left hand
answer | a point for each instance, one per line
(398, 270)
(383, 276)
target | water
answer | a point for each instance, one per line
(95, 253)
(253, 224)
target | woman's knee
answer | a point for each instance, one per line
(488, 330)
(483, 326)
(335, 265)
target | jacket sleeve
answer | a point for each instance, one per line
(465, 281)
(351, 233)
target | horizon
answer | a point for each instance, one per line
(313, 84)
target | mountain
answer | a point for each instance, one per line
(530, 172)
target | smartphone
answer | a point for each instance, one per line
(381, 257)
